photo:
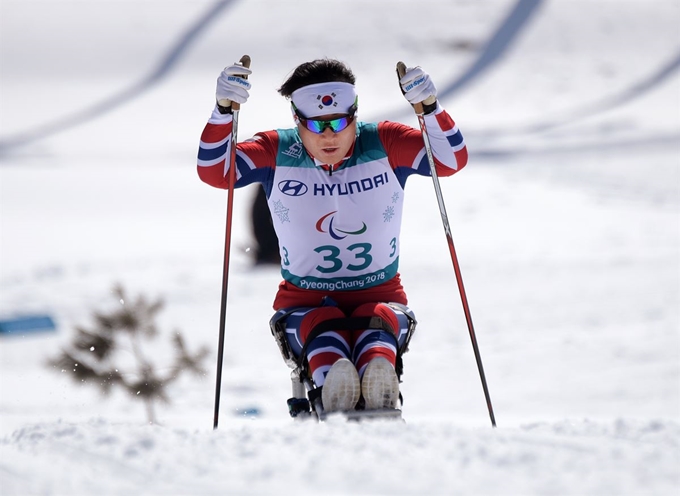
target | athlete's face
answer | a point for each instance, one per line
(328, 147)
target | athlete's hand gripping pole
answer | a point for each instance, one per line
(235, 108)
(418, 107)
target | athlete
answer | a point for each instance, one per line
(335, 189)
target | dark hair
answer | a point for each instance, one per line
(316, 71)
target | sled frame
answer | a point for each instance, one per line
(306, 397)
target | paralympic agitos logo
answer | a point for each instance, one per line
(292, 187)
(327, 227)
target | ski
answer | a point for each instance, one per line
(355, 415)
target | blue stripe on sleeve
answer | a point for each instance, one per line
(455, 139)
(210, 154)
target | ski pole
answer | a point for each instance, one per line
(418, 108)
(235, 107)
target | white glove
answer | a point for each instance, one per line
(418, 87)
(232, 85)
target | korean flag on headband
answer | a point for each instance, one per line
(326, 101)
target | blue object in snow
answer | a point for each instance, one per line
(251, 411)
(26, 323)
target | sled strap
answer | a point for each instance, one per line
(345, 324)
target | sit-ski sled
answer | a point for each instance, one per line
(305, 402)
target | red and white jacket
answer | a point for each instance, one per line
(338, 226)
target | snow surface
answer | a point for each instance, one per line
(566, 222)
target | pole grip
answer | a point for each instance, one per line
(245, 62)
(401, 71)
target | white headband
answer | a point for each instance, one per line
(324, 98)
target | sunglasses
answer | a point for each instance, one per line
(318, 126)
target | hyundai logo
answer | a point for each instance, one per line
(293, 188)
